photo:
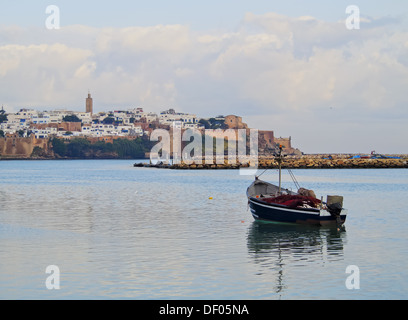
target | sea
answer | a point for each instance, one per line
(103, 229)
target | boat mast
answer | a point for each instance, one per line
(279, 159)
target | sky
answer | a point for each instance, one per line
(294, 67)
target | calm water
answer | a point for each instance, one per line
(119, 232)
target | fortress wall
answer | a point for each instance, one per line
(13, 146)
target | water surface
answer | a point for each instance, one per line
(119, 232)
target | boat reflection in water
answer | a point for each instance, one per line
(293, 250)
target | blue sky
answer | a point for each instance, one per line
(288, 66)
(198, 14)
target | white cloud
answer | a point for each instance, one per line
(276, 71)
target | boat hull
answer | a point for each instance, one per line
(283, 214)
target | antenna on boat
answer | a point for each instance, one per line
(279, 160)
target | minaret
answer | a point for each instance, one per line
(89, 103)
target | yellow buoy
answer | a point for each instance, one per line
(210, 198)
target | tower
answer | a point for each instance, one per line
(89, 103)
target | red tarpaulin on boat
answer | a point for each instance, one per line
(293, 201)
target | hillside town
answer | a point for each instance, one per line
(30, 128)
(62, 123)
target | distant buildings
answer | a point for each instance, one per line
(181, 120)
(134, 122)
(59, 123)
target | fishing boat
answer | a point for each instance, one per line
(271, 202)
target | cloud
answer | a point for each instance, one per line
(38, 73)
(277, 72)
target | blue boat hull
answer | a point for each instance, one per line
(283, 214)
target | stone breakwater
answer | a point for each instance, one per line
(304, 162)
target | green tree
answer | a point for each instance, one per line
(205, 123)
(131, 148)
(108, 120)
(213, 123)
(82, 148)
(59, 147)
(1, 134)
(38, 152)
(102, 146)
(3, 116)
(78, 147)
(71, 118)
(217, 124)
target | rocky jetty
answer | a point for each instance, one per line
(340, 163)
(302, 162)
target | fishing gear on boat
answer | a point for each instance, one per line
(271, 202)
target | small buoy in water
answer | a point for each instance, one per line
(242, 221)
(210, 198)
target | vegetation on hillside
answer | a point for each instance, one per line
(84, 149)
(71, 118)
(3, 116)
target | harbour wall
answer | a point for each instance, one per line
(304, 162)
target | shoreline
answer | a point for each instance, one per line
(303, 162)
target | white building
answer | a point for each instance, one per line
(150, 117)
(40, 118)
(123, 125)
(184, 120)
(86, 117)
(44, 133)
(100, 129)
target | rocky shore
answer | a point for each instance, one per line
(303, 162)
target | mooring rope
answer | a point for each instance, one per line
(294, 179)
